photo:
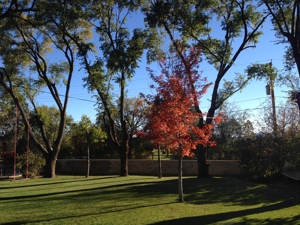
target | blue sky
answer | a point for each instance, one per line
(81, 102)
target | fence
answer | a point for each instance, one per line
(144, 167)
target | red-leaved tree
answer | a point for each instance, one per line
(172, 120)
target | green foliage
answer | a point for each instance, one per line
(106, 150)
(6, 133)
(35, 163)
(225, 134)
(84, 137)
(49, 118)
(121, 48)
(289, 60)
(262, 71)
(57, 72)
(229, 88)
(193, 20)
(89, 130)
(262, 157)
(141, 148)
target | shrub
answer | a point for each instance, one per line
(261, 157)
(35, 164)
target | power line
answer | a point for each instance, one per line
(81, 99)
(242, 64)
(87, 100)
(92, 101)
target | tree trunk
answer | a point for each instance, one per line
(49, 171)
(130, 146)
(130, 153)
(180, 186)
(201, 162)
(88, 161)
(295, 48)
(159, 163)
(124, 160)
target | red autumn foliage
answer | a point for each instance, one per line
(172, 120)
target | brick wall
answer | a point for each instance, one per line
(143, 167)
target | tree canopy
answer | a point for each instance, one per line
(286, 21)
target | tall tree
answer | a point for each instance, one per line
(51, 25)
(121, 52)
(91, 133)
(239, 22)
(172, 122)
(286, 21)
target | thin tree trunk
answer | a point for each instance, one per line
(125, 136)
(159, 163)
(88, 161)
(180, 186)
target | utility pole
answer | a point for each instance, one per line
(275, 128)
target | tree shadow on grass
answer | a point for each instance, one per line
(219, 217)
(81, 192)
(229, 191)
(196, 191)
(53, 182)
(234, 191)
(215, 190)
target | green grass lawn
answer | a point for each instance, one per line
(146, 200)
